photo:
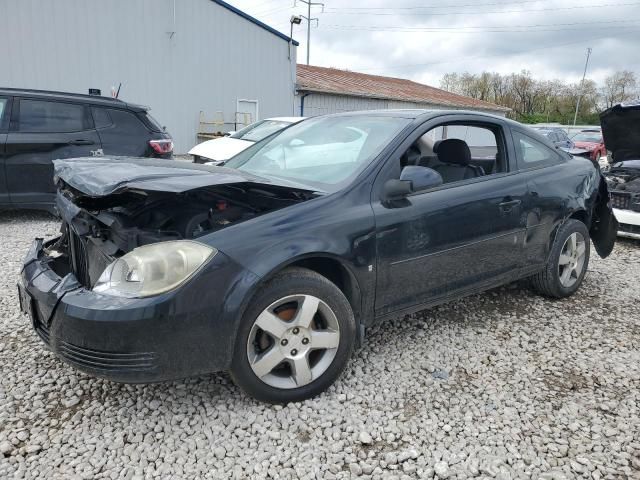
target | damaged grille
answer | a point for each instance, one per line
(78, 254)
(621, 201)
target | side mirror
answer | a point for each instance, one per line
(413, 179)
(229, 133)
(421, 178)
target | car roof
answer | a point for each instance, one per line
(70, 96)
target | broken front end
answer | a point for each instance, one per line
(120, 292)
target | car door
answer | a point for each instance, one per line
(453, 238)
(41, 131)
(5, 114)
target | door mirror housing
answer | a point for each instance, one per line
(421, 178)
(413, 178)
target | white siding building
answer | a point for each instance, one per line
(321, 91)
(179, 57)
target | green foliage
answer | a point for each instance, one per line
(541, 101)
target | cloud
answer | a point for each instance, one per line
(407, 39)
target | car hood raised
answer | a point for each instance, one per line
(221, 148)
(621, 130)
(98, 177)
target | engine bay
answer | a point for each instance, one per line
(97, 230)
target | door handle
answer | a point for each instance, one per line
(81, 142)
(508, 205)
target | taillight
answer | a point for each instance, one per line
(161, 146)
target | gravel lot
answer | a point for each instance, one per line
(504, 384)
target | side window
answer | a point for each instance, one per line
(101, 117)
(51, 117)
(4, 102)
(459, 151)
(126, 123)
(532, 154)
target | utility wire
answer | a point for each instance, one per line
(483, 27)
(424, 7)
(475, 57)
(551, 9)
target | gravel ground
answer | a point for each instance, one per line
(504, 384)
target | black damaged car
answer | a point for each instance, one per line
(273, 266)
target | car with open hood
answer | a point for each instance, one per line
(274, 266)
(218, 150)
(621, 131)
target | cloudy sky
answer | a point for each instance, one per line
(423, 40)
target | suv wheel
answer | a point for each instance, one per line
(568, 262)
(294, 339)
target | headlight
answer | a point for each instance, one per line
(153, 269)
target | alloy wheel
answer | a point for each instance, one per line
(293, 341)
(571, 261)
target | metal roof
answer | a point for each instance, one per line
(343, 82)
(255, 21)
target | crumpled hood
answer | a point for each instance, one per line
(220, 148)
(100, 176)
(621, 130)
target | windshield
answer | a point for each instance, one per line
(323, 152)
(259, 130)
(591, 137)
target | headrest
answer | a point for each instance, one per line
(454, 150)
(436, 145)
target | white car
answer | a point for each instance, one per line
(217, 151)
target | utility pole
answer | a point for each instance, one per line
(586, 64)
(308, 18)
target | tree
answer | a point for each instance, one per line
(619, 87)
(533, 100)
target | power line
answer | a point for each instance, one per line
(483, 28)
(475, 57)
(498, 12)
(423, 7)
(462, 31)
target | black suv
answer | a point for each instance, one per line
(39, 126)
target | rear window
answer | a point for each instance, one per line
(127, 123)
(51, 117)
(532, 154)
(152, 123)
(101, 117)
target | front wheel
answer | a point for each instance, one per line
(294, 339)
(568, 262)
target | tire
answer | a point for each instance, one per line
(566, 268)
(273, 331)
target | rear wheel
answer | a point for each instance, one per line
(295, 338)
(568, 262)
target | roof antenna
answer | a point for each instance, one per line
(118, 92)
